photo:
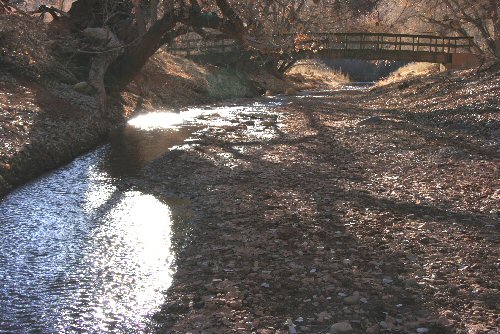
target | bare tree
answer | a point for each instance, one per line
(479, 19)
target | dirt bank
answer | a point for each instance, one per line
(375, 211)
(45, 122)
(44, 127)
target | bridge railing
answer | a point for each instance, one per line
(198, 46)
(377, 41)
(289, 43)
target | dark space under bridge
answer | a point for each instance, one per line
(453, 52)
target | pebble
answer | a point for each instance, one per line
(351, 300)
(387, 280)
(373, 329)
(341, 327)
(265, 285)
(323, 315)
(422, 330)
(371, 120)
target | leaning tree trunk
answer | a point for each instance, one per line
(125, 68)
(496, 31)
(111, 48)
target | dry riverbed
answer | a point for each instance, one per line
(364, 211)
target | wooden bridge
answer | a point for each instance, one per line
(449, 51)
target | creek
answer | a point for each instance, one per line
(81, 251)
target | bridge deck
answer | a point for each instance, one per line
(406, 47)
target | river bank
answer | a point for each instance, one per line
(47, 123)
(372, 211)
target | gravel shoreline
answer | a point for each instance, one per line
(367, 211)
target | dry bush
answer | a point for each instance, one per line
(410, 70)
(319, 73)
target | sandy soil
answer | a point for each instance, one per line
(367, 212)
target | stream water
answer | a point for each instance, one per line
(82, 252)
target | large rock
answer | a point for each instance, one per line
(341, 327)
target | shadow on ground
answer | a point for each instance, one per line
(310, 225)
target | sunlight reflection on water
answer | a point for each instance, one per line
(77, 254)
(81, 252)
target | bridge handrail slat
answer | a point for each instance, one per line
(382, 34)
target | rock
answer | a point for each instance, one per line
(323, 315)
(267, 123)
(290, 91)
(422, 330)
(52, 44)
(270, 92)
(341, 327)
(411, 282)
(373, 329)
(403, 85)
(291, 326)
(82, 87)
(351, 300)
(265, 285)
(387, 280)
(374, 120)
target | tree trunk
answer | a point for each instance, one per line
(496, 26)
(286, 65)
(111, 49)
(81, 13)
(122, 71)
(139, 17)
(154, 12)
